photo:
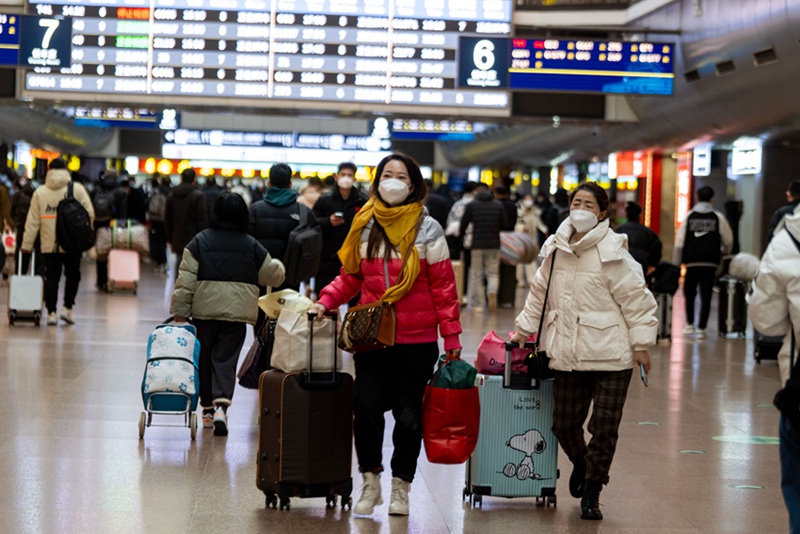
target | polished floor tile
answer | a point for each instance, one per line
(696, 454)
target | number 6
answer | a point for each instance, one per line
(483, 54)
(52, 26)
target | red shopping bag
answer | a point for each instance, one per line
(450, 422)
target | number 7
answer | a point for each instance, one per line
(52, 26)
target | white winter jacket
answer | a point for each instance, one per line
(775, 293)
(599, 310)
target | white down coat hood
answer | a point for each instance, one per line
(599, 310)
(775, 294)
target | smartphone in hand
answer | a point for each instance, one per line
(643, 374)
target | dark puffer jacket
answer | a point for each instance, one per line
(184, 216)
(333, 236)
(274, 218)
(220, 274)
(487, 217)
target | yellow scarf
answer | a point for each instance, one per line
(400, 225)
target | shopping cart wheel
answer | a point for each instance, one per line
(193, 425)
(142, 419)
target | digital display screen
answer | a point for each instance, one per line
(643, 68)
(31, 41)
(370, 53)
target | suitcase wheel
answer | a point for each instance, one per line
(37, 318)
(272, 500)
(193, 426)
(347, 503)
(330, 501)
(286, 503)
(12, 316)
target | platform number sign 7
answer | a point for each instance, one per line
(52, 26)
(46, 41)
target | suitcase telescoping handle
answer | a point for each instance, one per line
(507, 370)
(310, 378)
(33, 262)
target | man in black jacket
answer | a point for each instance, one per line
(507, 290)
(274, 217)
(643, 243)
(334, 212)
(185, 215)
(793, 199)
(110, 201)
(488, 217)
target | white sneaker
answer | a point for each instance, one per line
(66, 316)
(399, 502)
(688, 330)
(701, 334)
(370, 494)
(52, 319)
(208, 419)
(220, 422)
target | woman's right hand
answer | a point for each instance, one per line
(520, 339)
(319, 309)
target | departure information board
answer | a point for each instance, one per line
(370, 53)
(644, 68)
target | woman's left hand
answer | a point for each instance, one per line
(642, 357)
(455, 353)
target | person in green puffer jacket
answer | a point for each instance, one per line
(218, 283)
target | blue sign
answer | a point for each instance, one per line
(9, 40)
(641, 68)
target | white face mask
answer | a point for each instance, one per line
(582, 220)
(393, 191)
(527, 203)
(345, 182)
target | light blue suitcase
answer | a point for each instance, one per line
(517, 453)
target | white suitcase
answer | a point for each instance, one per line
(25, 295)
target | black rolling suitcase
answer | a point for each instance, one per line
(732, 309)
(766, 347)
(305, 444)
(664, 301)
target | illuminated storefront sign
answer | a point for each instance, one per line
(746, 156)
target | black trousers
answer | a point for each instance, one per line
(704, 277)
(54, 264)
(508, 284)
(101, 264)
(220, 345)
(391, 379)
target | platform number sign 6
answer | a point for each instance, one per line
(483, 54)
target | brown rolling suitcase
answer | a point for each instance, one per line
(305, 442)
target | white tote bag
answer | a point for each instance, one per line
(290, 351)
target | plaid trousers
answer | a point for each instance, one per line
(574, 392)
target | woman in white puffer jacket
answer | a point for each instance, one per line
(600, 321)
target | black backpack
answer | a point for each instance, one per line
(303, 251)
(74, 232)
(103, 205)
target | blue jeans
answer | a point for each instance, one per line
(790, 473)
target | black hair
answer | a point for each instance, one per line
(280, 175)
(58, 163)
(633, 211)
(188, 176)
(501, 190)
(794, 189)
(348, 165)
(562, 197)
(705, 194)
(470, 187)
(599, 193)
(230, 213)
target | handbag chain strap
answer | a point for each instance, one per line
(546, 295)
